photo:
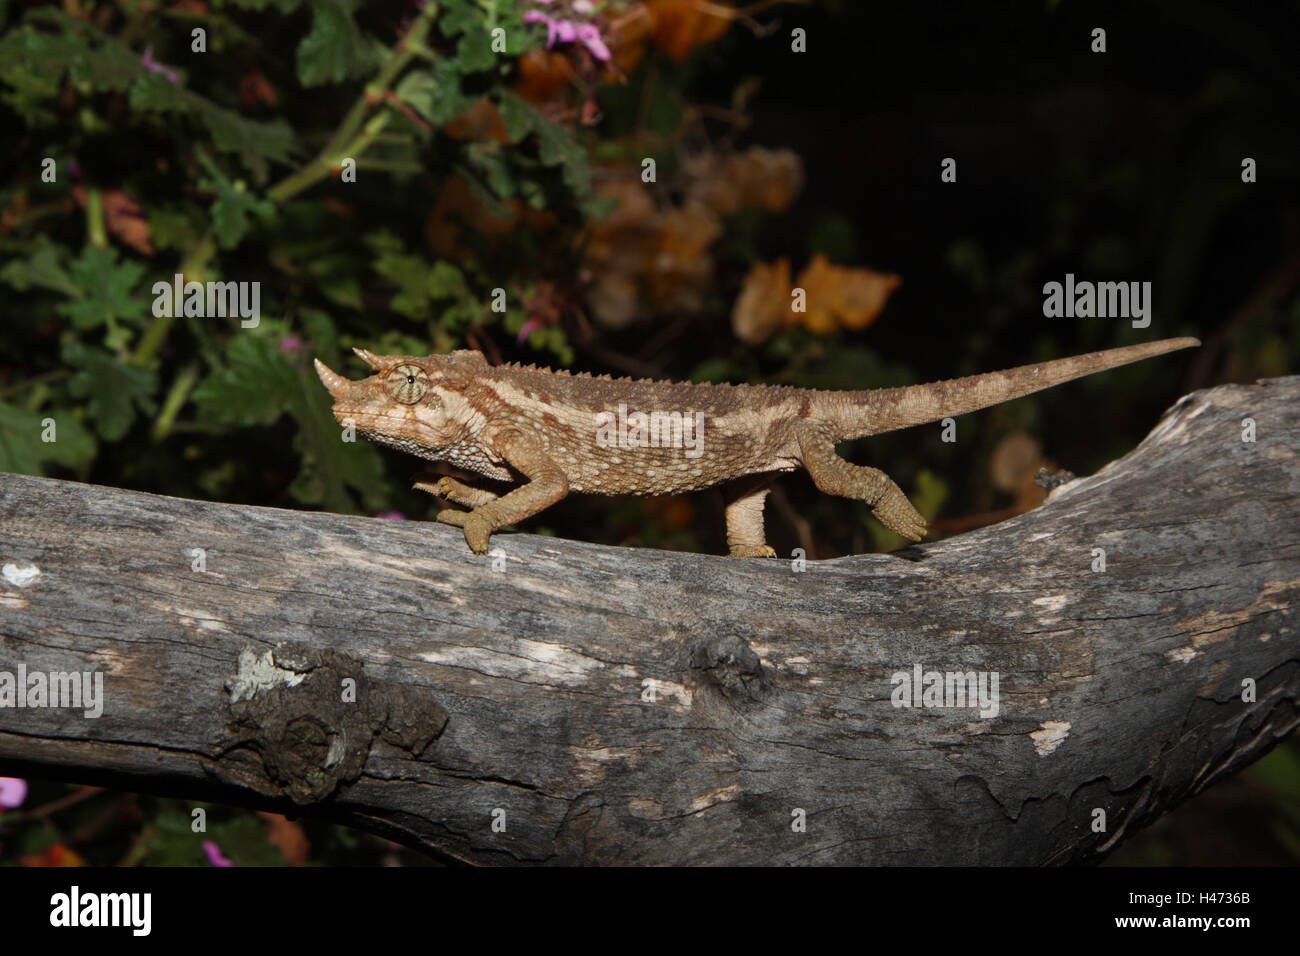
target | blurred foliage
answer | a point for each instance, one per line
(632, 186)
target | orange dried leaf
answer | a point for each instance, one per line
(56, 854)
(679, 26)
(842, 296)
(287, 836)
(123, 216)
(542, 76)
(481, 121)
(763, 306)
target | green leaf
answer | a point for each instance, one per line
(334, 50)
(105, 290)
(260, 385)
(408, 272)
(233, 206)
(23, 449)
(255, 388)
(555, 146)
(113, 388)
(254, 142)
(435, 92)
(44, 269)
(175, 226)
(445, 281)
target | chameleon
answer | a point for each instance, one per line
(538, 434)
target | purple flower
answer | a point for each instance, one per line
(13, 791)
(392, 516)
(536, 16)
(566, 30)
(525, 329)
(590, 38)
(289, 343)
(147, 62)
(215, 856)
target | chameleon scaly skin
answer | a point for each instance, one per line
(558, 432)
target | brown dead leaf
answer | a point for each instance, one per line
(678, 26)
(289, 837)
(763, 306)
(123, 217)
(842, 296)
(542, 76)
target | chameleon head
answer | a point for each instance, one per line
(402, 404)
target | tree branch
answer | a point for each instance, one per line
(615, 705)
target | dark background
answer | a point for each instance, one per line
(1124, 165)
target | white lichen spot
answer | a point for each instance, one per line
(196, 619)
(1053, 602)
(21, 575)
(1051, 736)
(257, 674)
(1180, 655)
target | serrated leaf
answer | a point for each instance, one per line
(254, 142)
(113, 388)
(106, 289)
(555, 146)
(234, 205)
(407, 271)
(175, 226)
(334, 50)
(445, 281)
(256, 387)
(474, 51)
(435, 92)
(23, 449)
(44, 268)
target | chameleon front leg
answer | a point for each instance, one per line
(835, 476)
(547, 484)
(745, 500)
(457, 492)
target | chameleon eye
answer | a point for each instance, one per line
(407, 383)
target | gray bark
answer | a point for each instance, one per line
(616, 705)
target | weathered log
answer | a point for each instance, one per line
(614, 705)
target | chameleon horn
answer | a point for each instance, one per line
(337, 385)
(369, 358)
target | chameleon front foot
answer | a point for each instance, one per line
(478, 529)
(456, 492)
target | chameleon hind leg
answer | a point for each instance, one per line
(835, 476)
(745, 500)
